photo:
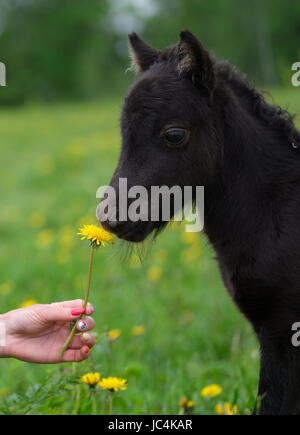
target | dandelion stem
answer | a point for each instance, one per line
(68, 341)
(94, 404)
(89, 279)
(77, 400)
(109, 357)
(110, 403)
(86, 299)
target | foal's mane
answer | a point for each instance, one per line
(274, 116)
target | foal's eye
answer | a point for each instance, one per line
(175, 136)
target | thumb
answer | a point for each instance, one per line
(58, 313)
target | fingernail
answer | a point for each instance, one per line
(82, 325)
(86, 336)
(91, 308)
(77, 311)
(86, 349)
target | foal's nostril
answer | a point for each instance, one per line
(113, 224)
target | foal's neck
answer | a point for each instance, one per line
(256, 168)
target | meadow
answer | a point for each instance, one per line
(190, 335)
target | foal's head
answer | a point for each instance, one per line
(168, 124)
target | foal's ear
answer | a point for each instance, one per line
(195, 62)
(143, 56)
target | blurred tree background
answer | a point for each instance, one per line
(74, 49)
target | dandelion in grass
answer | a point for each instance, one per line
(185, 406)
(226, 409)
(97, 237)
(154, 274)
(138, 331)
(113, 384)
(182, 402)
(28, 303)
(212, 390)
(91, 379)
(114, 334)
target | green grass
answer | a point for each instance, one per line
(52, 161)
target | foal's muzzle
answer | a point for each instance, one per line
(124, 229)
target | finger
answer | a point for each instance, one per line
(89, 309)
(85, 339)
(85, 324)
(76, 303)
(76, 355)
(57, 313)
(88, 339)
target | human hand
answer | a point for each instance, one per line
(37, 333)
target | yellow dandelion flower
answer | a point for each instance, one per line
(97, 236)
(137, 331)
(154, 273)
(185, 406)
(28, 303)
(91, 379)
(211, 391)
(183, 402)
(226, 409)
(114, 334)
(113, 384)
(230, 410)
(219, 409)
